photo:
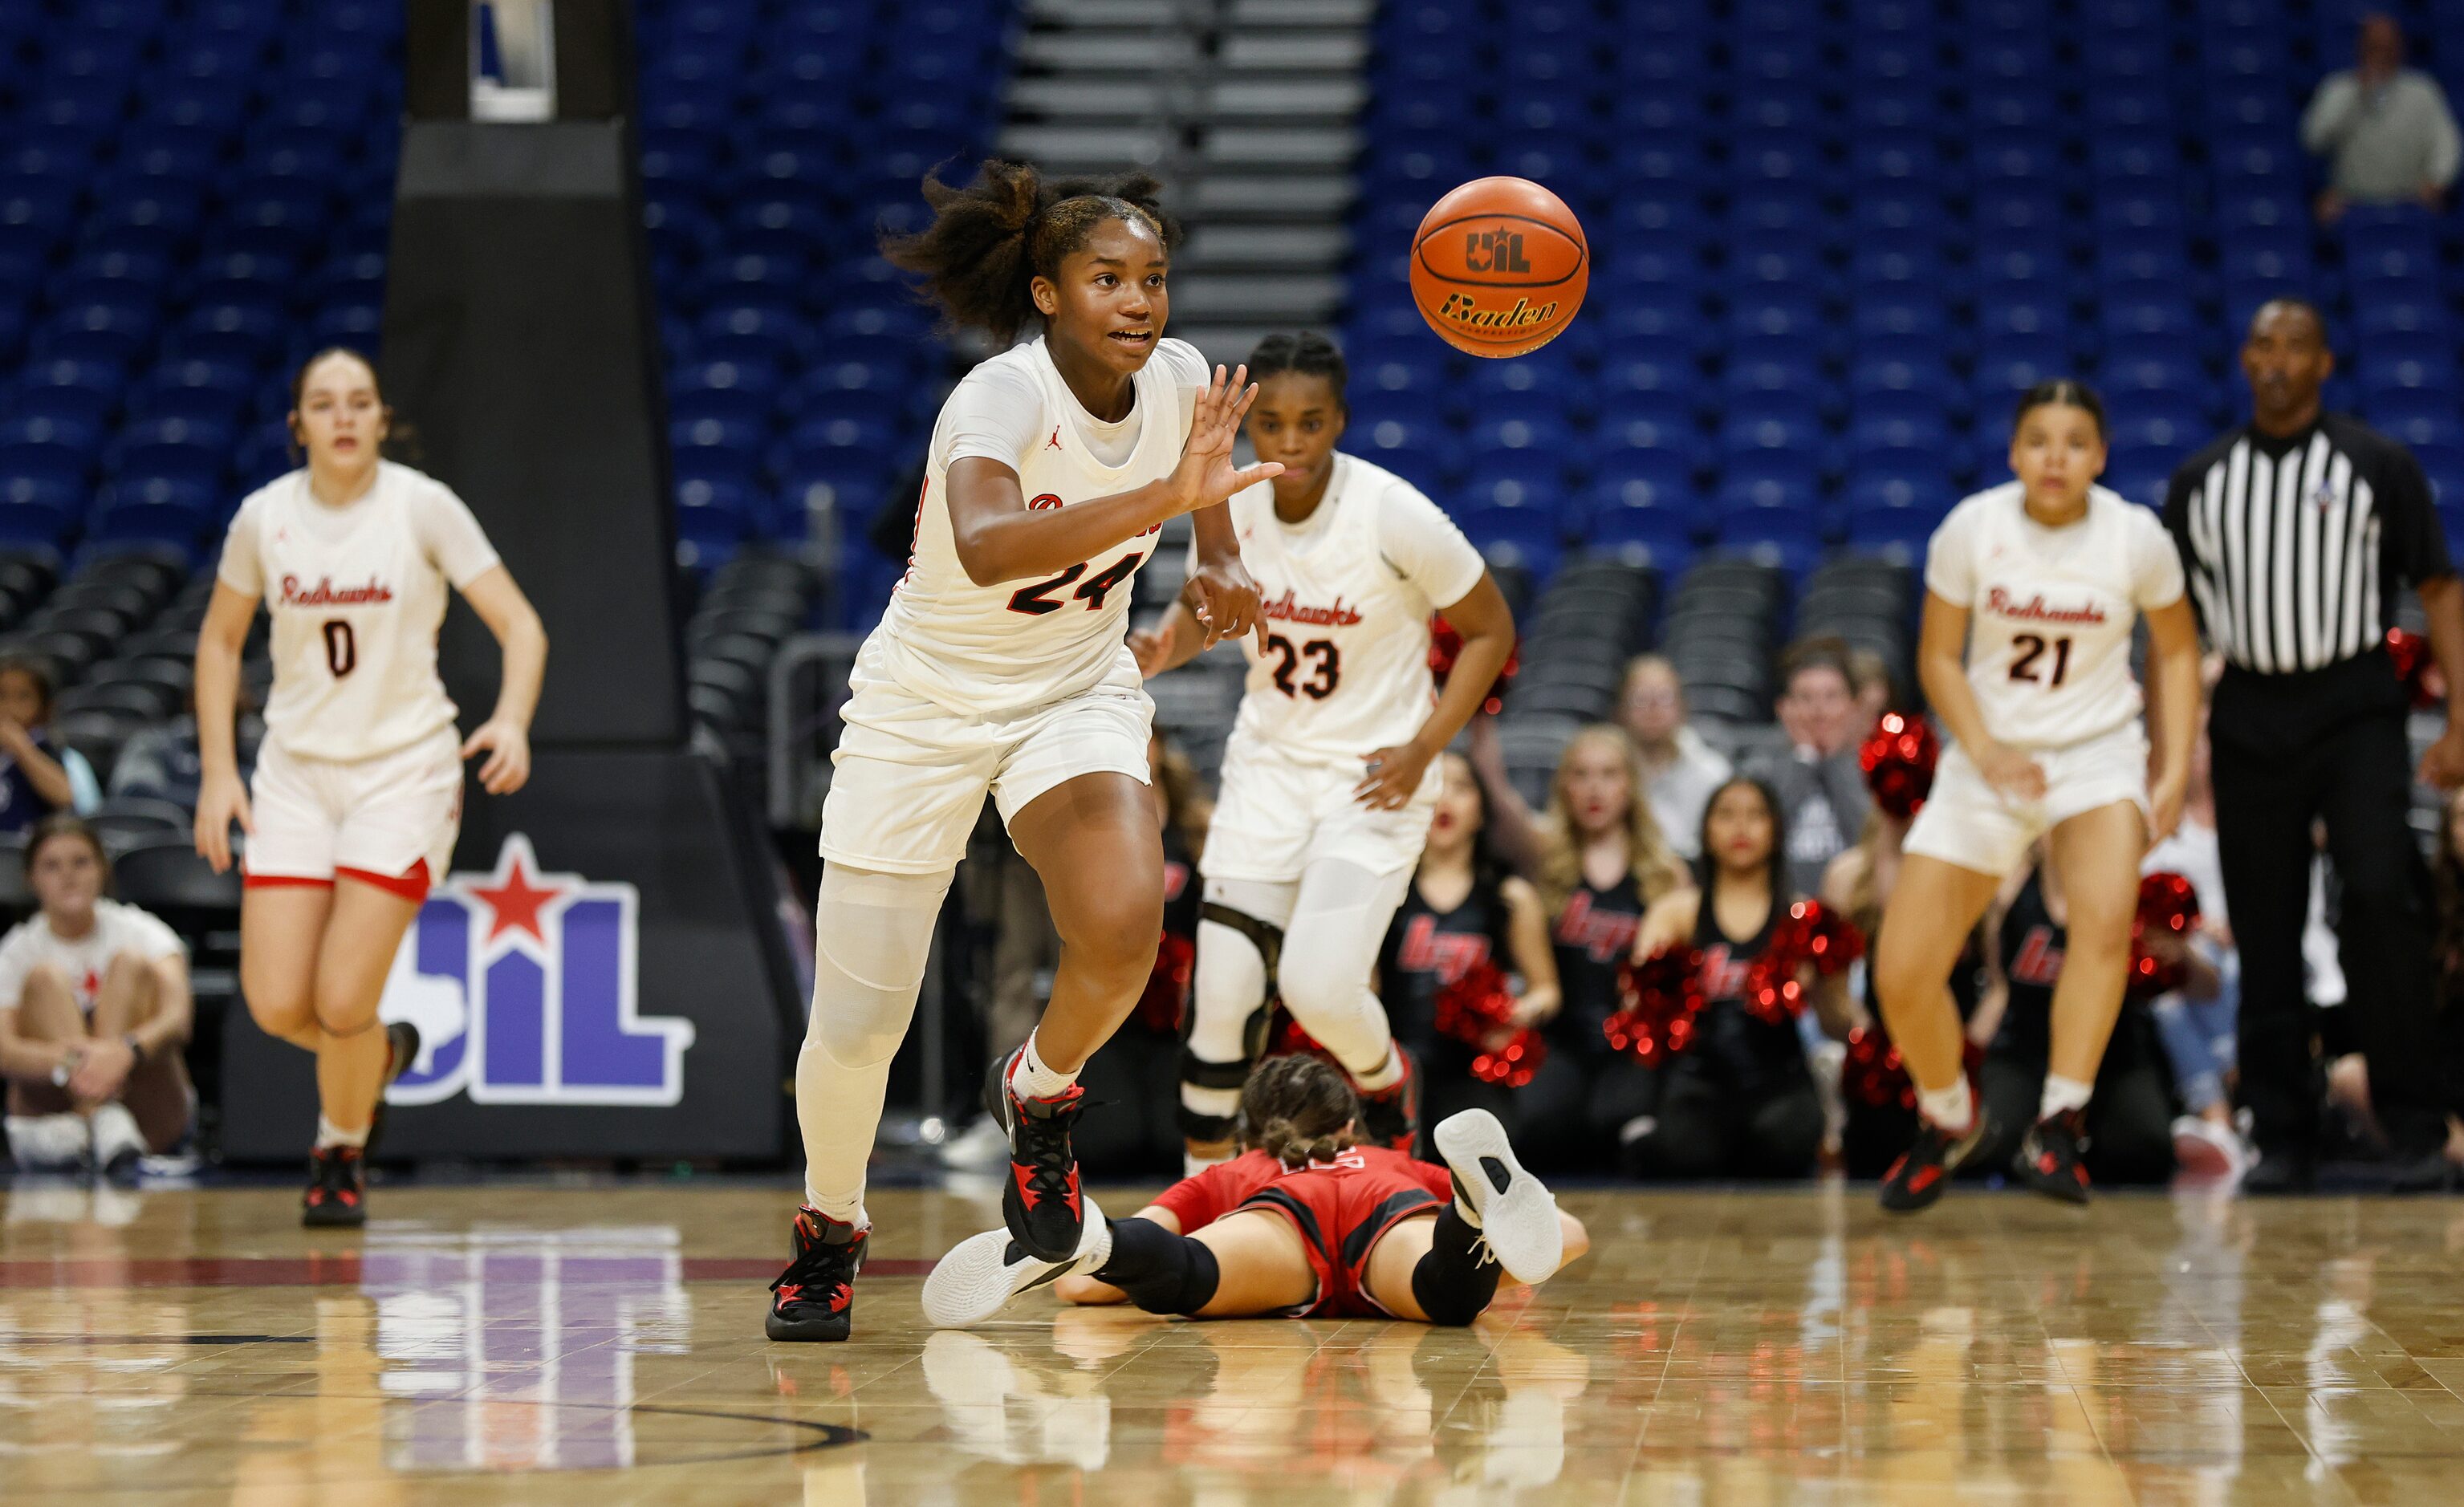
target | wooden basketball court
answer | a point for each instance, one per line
(542, 1342)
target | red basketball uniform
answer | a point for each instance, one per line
(1339, 1209)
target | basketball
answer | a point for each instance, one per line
(1498, 267)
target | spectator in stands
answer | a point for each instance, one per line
(163, 763)
(1464, 911)
(1876, 689)
(1740, 1100)
(1680, 770)
(38, 775)
(1138, 1071)
(2385, 128)
(1603, 860)
(1821, 791)
(94, 1012)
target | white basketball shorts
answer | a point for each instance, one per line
(389, 820)
(910, 774)
(1968, 822)
(1278, 814)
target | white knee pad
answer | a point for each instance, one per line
(872, 935)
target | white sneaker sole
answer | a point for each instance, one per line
(1519, 1219)
(983, 1272)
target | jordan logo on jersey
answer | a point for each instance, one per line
(522, 986)
(1290, 609)
(325, 594)
(2035, 609)
(1054, 442)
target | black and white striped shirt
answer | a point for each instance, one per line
(2297, 545)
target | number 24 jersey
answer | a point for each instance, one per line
(2051, 611)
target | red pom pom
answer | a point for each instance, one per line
(2416, 668)
(1873, 1074)
(2168, 904)
(1445, 643)
(1899, 759)
(1167, 990)
(1515, 1063)
(1476, 1005)
(1812, 935)
(1661, 998)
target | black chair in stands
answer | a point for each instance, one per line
(16, 900)
(131, 821)
(167, 877)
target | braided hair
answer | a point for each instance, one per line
(993, 236)
(1307, 354)
(1298, 1110)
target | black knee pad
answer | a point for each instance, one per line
(1163, 1273)
(1195, 1072)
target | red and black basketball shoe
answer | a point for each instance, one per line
(402, 1049)
(814, 1298)
(1040, 1203)
(1390, 1115)
(2049, 1158)
(1924, 1170)
(338, 1189)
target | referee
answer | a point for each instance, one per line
(2299, 529)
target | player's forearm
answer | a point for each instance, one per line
(217, 698)
(2442, 603)
(1477, 664)
(1953, 699)
(1183, 636)
(523, 652)
(1019, 544)
(1212, 527)
(2177, 710)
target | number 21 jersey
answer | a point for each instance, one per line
(2051, 611)
(356, 594)
(1021, 643)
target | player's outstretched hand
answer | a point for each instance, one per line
(1225, 600)
(2011, 772)
(1206, 475)
(221, 800)
(507, 768)
(1393, 776)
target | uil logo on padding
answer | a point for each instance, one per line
(522, 986)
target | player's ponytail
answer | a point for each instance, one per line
(991, 237)
(1298, 1110)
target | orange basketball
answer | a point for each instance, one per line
(1499, 266)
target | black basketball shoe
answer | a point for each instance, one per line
(402, 1049)
(338, 1189)
(1040, 1203)
(814, 1298)
(1390, 1115)
(2049, 1158)
(1924, 1170)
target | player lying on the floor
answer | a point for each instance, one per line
(1306, 1221)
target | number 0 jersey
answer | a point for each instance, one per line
(355, 595)
(2051, 611)
(1346, 598)
(1020, 643)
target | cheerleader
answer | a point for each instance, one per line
(1740, 1100)
(1307, 1222)
(356, 794)
(1462, 911)
(2042, 579)
(1000, 668)
(1603, 862)
(1329, 777)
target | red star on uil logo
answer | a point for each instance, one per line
(513, 894)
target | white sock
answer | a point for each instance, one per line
(1385, 1075)
(330, 1135)
(1950, 1108)
(1032, 1079)
(2062, 1095)
(48, 1141)
(115, 1130)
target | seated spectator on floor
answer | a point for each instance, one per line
(95, 1012)
(1740, 1101)
(1680, 770)
(1603, 860)
(2386, 129)
(161, 763)
(1136, 1074)
(1464, 911)
(1821, 790)
(2129, 1118)
(2198, 1022)
(38, 775)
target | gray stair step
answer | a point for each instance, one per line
(1068, 147)
(1266, 147)
(1229, 297)
(1294, 52)
(1273, 245)
(1302, 13)
(1124, 13)
(1078, 97)
(1281, 196)
(1335, 96)
(1105, 50)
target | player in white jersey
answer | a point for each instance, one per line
(2041, 581)
(1000, 668)
(1329, 777)
(358, 790)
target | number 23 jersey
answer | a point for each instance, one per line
(2051, 611)
(1346, 598)
(355, 595)
(1021, 643)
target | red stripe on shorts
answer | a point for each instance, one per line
(412, 884)
(281, 880)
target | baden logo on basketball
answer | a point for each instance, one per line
(1499, 266)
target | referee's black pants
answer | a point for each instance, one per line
(2290, 749)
